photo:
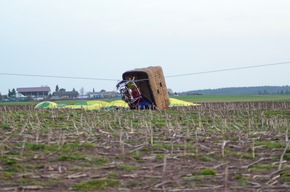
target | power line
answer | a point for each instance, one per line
(171, 76)
(63, 77)
(229, 69)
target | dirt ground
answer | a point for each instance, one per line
(220, 147)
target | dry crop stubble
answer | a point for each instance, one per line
(229, 146)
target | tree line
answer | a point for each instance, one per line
(258, 90)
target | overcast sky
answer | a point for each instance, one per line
(105, 38)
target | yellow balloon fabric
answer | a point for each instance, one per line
(98, 104)
(46, 104)
(176, 102)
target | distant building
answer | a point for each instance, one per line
(104, 94)
(63, 94)
(34, 92)
(83, 97)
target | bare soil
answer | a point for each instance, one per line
(212, 147)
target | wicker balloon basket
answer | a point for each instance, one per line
(151, 83)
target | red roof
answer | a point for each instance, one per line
(33, 89)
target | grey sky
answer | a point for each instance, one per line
(104, 38)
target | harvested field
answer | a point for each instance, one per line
(231, 146)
